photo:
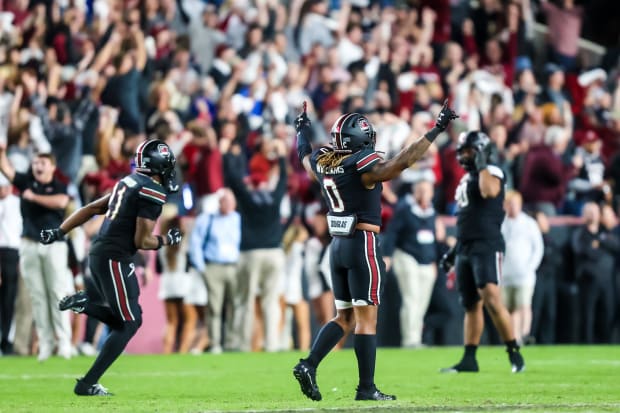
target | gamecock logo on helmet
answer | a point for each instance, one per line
(364, 125)
(163, 150)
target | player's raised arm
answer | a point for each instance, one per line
(303, 126)
(391, 168)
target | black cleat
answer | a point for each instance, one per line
(373, 394)
(516, 360)
(464, 366)
(306, 376)
(84, 389)
(76, 302)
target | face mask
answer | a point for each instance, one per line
(170, 183)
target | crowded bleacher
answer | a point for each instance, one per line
(221, 83)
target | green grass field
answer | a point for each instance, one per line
(575, 378)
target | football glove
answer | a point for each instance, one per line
(446, 115)
(174, 236)
(446, 262)
(480, 159)
(49, 236)
(302, 121)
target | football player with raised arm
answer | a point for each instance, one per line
(131, 211)
(351, 174)
(477, 256)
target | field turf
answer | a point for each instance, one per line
(557, 379)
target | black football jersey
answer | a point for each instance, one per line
(343, 189)
(479, 219)
(135, 195)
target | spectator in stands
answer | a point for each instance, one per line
(588, 185)
(173, 287)
(553, 98)
(616, 323)
(595, 249)
(544, 302)
(122, 88)
(214, 252)
(293, 243)
(524, 252)
(411, 247)
(545, 175)
(254, 62)
(62, 127)
(44, 267)
(262, 259)
(564, 28)
(10, 230)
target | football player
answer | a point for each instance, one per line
(131, 211)
(478, 254)
(351, 173)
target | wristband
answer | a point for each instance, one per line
(432, 134)
(160, 242)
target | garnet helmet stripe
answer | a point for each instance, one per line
(340, 123)
(139, 153)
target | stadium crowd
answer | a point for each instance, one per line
(83, 83)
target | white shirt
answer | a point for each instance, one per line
(10, 222)
(524, 250)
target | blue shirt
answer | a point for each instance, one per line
(215, 239)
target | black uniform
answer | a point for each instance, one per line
(36, 216)
(356, 277)
(595, 255)
(480, 245)
(111, 255)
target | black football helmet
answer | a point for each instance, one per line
(476, 140)
(353, 132)
(154, 157)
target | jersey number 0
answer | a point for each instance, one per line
(335, 200)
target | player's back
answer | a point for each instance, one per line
(133, 196)
(343, 188)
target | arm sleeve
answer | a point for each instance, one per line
(196, 254)
(366, 161)
(303, 142)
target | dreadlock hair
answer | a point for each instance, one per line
(331, 159)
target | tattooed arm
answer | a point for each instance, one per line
(391, 168)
